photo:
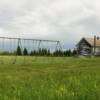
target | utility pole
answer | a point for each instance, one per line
(94, 44)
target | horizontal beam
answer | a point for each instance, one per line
(29, 39)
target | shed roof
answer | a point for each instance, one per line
(91, 41)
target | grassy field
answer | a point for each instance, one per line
(49, 78)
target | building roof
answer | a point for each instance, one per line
(91, 41)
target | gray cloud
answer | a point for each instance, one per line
(64, 20)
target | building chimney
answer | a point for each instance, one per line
(98, 38)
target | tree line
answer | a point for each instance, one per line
(41, 52)
(45, 52)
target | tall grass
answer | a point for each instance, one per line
(47, 78)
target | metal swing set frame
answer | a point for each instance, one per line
(21, 42)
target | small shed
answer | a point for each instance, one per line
(88, 46)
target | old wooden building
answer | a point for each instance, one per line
(89, 46)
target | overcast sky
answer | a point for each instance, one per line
(64, 20)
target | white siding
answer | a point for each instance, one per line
(97, 50)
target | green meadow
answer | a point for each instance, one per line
(49, 78)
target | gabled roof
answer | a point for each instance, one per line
(91, 41)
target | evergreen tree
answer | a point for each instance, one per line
(69, 53)
(19, 52)
(74, 52)
(42, 52)
(48, 53)
(35, 53)
(31, 53)
(25, 52)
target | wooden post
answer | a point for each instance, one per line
(94, 45)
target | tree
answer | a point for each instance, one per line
(19, 52)
(74, 52)
(48, 52)
(39, 52)
(25, 52)
(69, 53)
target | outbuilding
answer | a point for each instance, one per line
(89, 46)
